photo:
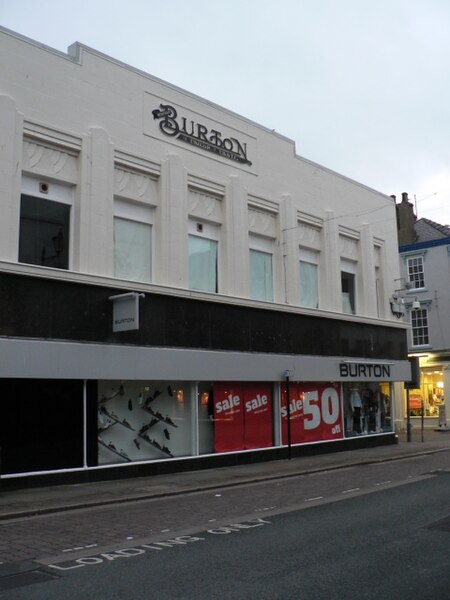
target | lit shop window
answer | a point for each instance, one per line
(367, 408)
(132, 250)
(419, 324)
(44, 232)
(415, 272)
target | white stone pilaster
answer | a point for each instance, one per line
(289, 284)
(11, 126)
(94, 247)
(235, 240)
(171, 227)
(367, 286)
(330, 276)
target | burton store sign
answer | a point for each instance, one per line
(198, 135)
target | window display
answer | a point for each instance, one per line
(143, 421)
(156, 420)
(205, 402)
(366, 408)
(430, 395)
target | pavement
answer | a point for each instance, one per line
(25, 502)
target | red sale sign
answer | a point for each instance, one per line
(315, 412)
(228, 417)
(257, 416)
(242, 416)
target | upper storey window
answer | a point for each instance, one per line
(348, 293)
(261, 268)
(309, 278)
(132, 250)
(415, 272)
(203, 257)
(132, 241)
(44, 235)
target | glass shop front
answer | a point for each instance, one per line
(156, 420)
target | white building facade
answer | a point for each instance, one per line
(176, 283)
(425, 294)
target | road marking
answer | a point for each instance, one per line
(384, 482)
(138, 550)
(312, 499)
(350, 490)
(79, 548)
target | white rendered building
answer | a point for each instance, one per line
(176, 283)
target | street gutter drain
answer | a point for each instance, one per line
(10, 582)
(442, 525)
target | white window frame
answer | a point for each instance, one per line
(207, 231)
(264, 246)
(420, 339)
(137, 213)
(350, 267)
(413, 275)
(311, 257)
(42, 188)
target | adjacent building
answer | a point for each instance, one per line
(178, 287)
(425, 295)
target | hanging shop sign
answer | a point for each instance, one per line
(126, 311)
(315, 412)
(242, 416)
(199, 135)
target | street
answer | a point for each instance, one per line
(372, 531)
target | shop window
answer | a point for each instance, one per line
(203, 264)
(261, 276)
(348, 292)
(44, 232)
(205, 401)
(419, 324)
(432, 390)
(132, 250)
(367, 408)
(143, 421)
(415, 272)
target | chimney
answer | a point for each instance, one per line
(406, 220)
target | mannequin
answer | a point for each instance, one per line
(356, 404)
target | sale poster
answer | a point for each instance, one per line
(228, 417)
(315, 412)
(242, 416)
(257, 416)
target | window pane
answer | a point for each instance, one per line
(309, 288)
(132, 250)
(44, 232)
(202, 264)
(419, 322)
(348, 292)
(261, 279)
(415, 272)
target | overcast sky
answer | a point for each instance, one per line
(361, 86)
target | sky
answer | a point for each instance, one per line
(362, 87)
